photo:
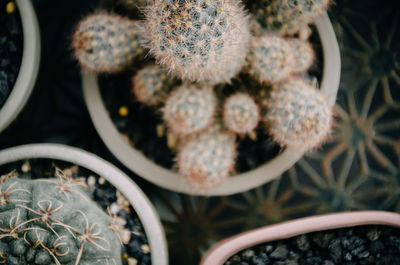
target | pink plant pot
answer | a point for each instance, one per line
(225, 249)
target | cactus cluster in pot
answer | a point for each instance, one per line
(206, 44)
(52, 221)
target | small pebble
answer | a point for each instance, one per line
(123, 111)
(10, 7)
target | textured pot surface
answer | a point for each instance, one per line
(136, 197)
(29, 65)
(228, 247)
(144, 167)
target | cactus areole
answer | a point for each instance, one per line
(51, 221)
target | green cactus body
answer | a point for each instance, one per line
(207, 158)
(189, 109)
(151, 85)
(297, 114)
(106, 42)
(198, 40)
(271, 59)
(50, 221)
(241, 113)
(303, 55)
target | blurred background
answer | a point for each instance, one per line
(358, 169)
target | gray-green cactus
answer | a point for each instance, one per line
(107, 43)
(51, 221)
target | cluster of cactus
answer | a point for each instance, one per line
(52, 221)
(205, 44)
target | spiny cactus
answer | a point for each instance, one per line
(105, 42)
(207, 158)
(51, 221)
(189, 109)
(303, 55)
(286, 17)
(198, 40)
(270, 59)
(241, 113)
(151, 85)
(297, 114)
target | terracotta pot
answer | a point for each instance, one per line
(146, 168)
(221, 252)
(138, 200)
(29, 65)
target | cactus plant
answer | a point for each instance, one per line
(297, 114)
(271, 58)
(51, 221)
(286, 17)
(151, 85)
(303, 55)
(189, 109)
(107, 43)
(207, 158)
(198, 40)
(241, 113)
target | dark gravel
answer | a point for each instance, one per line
(11, 45)
(102, 192)
(372, 244)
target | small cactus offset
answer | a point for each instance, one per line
(241, 113)
(106, 43)
(303, 55)
(51, 221)
(198, 40)
(207, 158)
(151, 85)
(189, 109)
(302, 10)
(271, 59)
(297, 114)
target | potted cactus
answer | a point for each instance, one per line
(364, 237)
(87, 213)
(20, 52)
(219, 79)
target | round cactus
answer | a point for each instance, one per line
(241, 113)
(271, 59)
(286, 17)
(106, 42)
(151, 85)
(51, 221)
(297, 114)
(189, 109)
(303, 55)
(198, 40)
(207, 158)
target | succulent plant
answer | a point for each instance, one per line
(241, 114)
(198, 40)
(207, 158)
(297, 114)
(286, 17)
(189, 109)
(303, 55)
(107, 43)
(271, 58)
(151, 85)
(51, 221)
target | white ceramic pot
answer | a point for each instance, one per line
(225, 249)
(29, 65)
(138, 200)
(146, 168)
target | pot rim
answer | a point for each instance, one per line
(138, 200)
(223, 250)
(165, 178)
(29, 65)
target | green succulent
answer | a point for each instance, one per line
(52, 221)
